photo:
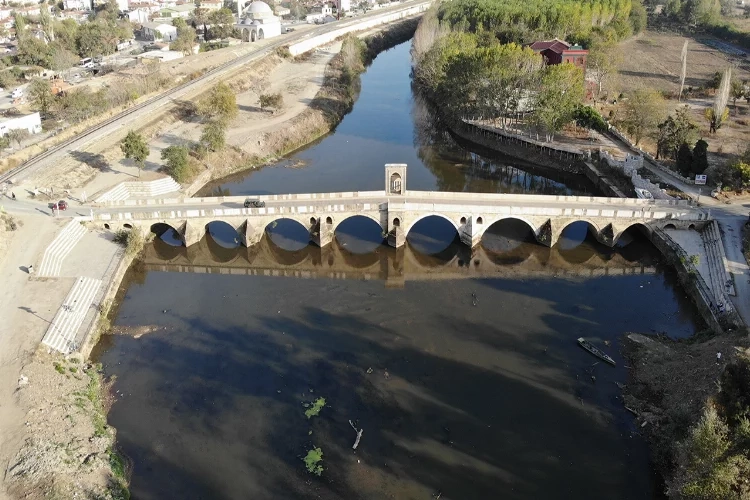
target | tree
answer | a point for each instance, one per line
(66, 32)
(213, 136)
(40, 95)
(220, 104)
(200, 17)
(62, 58)
(17, 135)
(675, 131)
(96, 39)
(638, 17)
(185, 38)
(222, 23)
(274, 101)
(700, 157)
(47, 22)
(683, 72)
(603, 60)
(560, 94)
(643, 110)
(718, 113)
(33, 52)
(134, 147)
(707, 466)
(736, 90)
(177, 160)
(684, 159)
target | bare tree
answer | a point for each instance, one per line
(717, 114)
(428, 32)
(683, 72)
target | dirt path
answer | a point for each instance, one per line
(297, 82)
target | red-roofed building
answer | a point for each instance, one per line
(558, 52)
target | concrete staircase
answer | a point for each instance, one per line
(63, 330)
(720, 281)
(60, 247)
(128, 190)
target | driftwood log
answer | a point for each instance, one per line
(359, 435)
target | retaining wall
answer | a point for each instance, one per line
(694, 285)
(388, 17)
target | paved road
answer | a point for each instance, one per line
(129, 116)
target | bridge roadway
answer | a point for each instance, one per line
(396, 213)
(394, 266)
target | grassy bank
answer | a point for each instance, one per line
(69, 451)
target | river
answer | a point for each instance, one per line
(461, 368)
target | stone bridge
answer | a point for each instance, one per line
(396, 210)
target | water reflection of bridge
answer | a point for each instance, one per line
(392, 265)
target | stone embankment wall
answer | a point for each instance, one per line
(389, 17)
(601, 181)
(630, 166)
(696, 288)
(521, 147)
(649, 156)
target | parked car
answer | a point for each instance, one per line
(17, 93)
(254, 203)
(60, 205)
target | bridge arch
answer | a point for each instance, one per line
(161, 228)
(495, 220)
(370, 236)
(641, 226)
(231, 232)
(298, 231)
(413, 222)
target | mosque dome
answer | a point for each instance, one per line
(259, 10)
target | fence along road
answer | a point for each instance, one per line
(107, 127)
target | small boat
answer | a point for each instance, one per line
(643, 194)
(596, 352)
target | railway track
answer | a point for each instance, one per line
(164, 98)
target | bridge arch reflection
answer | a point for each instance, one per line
(392, 265)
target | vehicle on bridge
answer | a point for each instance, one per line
(254, 203)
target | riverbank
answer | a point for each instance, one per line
(669, 385)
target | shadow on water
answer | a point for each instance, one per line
(466, 401)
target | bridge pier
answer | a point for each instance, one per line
(191, 233)
(321, 232)
(471, 230)
(250, 235)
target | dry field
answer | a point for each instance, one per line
(652, 60)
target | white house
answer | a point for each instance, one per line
(211, 4)
(182, 11)
(159, 32)
(345, 5)
(282, 11)
(77, 15)
(32, 123)
(77, 5)
(31, 10)
(317, 14)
